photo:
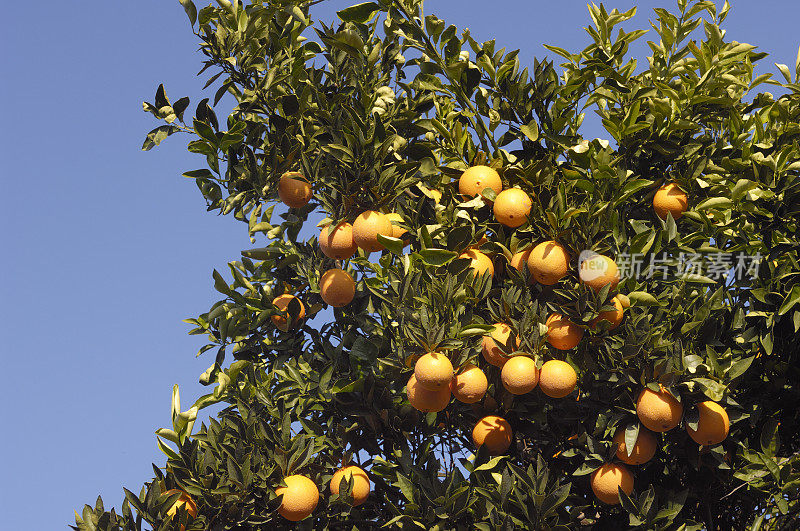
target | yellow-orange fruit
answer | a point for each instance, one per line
(425, 400)
(713, 425)
(397, 231)
(294, 190)
(520, 260)
(480, 263)
(612, 316)
(282, 302)
(477, 178)
(494, 432)
(491, 352)
(469, 385)
(366, 228)
(512, 207)
(185, 502)
(599, 270)
(670, 199)
(361, 484)
(434, 371)
(300, 497)
(557, 378)
(548, 262)
(337, 287)
(337, 242)
(607, 479)
(660, 411)
(643, 450)
(562, 333)
(519, 375)
(624, 300)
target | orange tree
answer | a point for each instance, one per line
(659, 387)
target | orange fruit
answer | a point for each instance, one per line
(360, 479)
(520, 260)
(557, 378)
(624, 300)
(300, 497)
(512, 207)
(670, 199)
(366, 228)
(469, 385)
(185, 502)
(337, 242)
(519, 375)
(713, 425)
(607, 479)
(477, 178)
(643, 450)
(660, 411)
(612, 316)
(425, 400)
(282, 302)
(397, 231)
(494, 432)
(562, 333)
(548, 262)
(599, 270)
(294, 190)
(337, 287)
(480, 263)
(434, 371)
(491, 352)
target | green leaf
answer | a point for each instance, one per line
(394, 245)
(792, 298)
(739, 368)
(531, 130)
(770, 438)
(360, 13)
(491, 464)
(191, 10)
(714, 202)
(712, 389)
(631, 434)
(436, 257)
(157, 135)
(643, 298)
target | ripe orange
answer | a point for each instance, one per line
(624, 300)
(670, 199)
(494, 432)
(548, 262)
(491, 352)
(519, 375)
(562, 333)
(434, 371)
(557, 378)
(512, 207)
(337, 242)
(185, 502)
(612, 316)
(660, 411)
(643, 450)
(294, 190)
(361, 484)
(337, 287)
(300, 497)
(520, 259)
(713, 426)
(397, 231)
(469, 385)
(425, 400)
(607, 479)
(477, 178)
(282, 302)
(599, 270)
(366, 228)
(480, 264)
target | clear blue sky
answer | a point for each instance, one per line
(106, 248)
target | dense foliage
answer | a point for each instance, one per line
(383, 111)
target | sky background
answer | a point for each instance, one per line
(105, 248)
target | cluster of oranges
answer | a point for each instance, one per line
(434, 380)
(301, 495)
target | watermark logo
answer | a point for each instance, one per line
(592, 265)
(717, 266)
